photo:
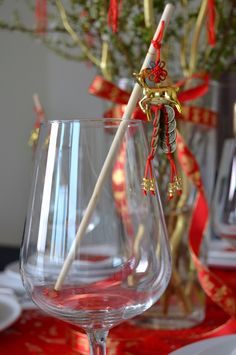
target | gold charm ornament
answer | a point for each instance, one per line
(156, 95)
(160, 104)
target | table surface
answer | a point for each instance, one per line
(37, 333)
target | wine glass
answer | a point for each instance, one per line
(122, 264)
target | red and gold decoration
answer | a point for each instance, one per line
(160, 104)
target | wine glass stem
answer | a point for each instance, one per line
(97, 341)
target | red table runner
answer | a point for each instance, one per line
(36, 333)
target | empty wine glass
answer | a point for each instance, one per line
(122, 264)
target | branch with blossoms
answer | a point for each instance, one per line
(80, 31)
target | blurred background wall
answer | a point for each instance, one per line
(26, 67)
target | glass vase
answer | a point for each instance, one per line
(183, 303)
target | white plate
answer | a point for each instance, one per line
(10, 310)
(10, 278)
(13, 268)
(225, 345)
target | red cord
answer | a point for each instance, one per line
(157, 42)
(148, 173)
(158, 73)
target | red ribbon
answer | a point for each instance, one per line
(109, 91)
(212, 284)
(195, 92)
(214, 287)
(199, 115)
(119, 188)
(106, 90)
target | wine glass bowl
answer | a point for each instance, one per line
(121, 265)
